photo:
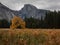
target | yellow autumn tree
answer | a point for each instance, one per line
(17, 21)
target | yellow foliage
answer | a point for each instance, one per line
(17, 21)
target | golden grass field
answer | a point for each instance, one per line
(30, 37)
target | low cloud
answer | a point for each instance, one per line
(42, 4)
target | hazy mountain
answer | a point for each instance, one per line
(27, 11)
(31, 11)
(5, 13)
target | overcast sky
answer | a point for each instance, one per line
(41, 4)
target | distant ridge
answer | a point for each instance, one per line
(5, 13)
(31, 11)
(27, 11)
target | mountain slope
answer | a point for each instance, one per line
(27, 11)
(31, 11)
(5, 13)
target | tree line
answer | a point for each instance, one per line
(4, 24)
(51, 20)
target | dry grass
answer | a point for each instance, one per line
(30, 37)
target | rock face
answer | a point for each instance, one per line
(5, 13)
(31, 11)
(27, 11)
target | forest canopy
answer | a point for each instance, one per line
(51, 20)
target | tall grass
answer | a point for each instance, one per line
(29, 37)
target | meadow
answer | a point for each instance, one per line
(30, 37)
